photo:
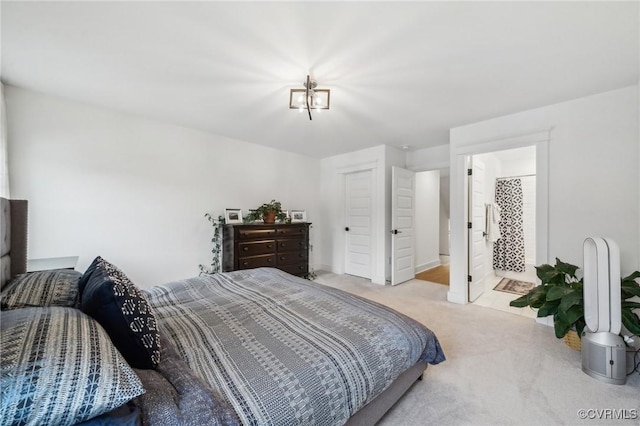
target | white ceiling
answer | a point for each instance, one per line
(399, 73)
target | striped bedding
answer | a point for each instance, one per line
(283, 350)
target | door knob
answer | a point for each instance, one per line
(396, 232)
(346, 229)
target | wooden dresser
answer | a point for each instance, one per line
(282, 246)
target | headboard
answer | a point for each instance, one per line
(13, 239)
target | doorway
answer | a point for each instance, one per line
(458, 288)
(502, 243)
(432, 226)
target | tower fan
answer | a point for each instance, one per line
(603, 350)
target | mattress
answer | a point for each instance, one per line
(284, 350)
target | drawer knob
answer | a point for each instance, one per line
(269, 246)
(269, 260)
(281, 257)
(245, 248)
(245, 263)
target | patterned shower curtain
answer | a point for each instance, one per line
(508, 251)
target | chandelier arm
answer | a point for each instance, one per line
(306, 97)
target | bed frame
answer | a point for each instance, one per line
(14, 261)
(371, 413)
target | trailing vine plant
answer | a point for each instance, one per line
(216, 250)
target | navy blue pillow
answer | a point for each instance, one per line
(123, 311)
(84, 279)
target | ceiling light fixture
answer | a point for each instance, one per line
(309, 98)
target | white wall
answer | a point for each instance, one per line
(433, 158)
(427, 225)
(436, 158)
(135, 190)
(593, 181)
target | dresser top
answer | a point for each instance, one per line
(268, 225)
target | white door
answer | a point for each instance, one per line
(402, 225)
(358, 189)
(476, 215)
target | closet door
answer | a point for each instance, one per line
(358, 187)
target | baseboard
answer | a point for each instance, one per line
(378, 279)
(548, 320)
(320, 267)
(454, 297)
(426, 266)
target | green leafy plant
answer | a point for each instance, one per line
(630, 288)
(311, 275)
(216, 250)
(272, 208)
(561, 295)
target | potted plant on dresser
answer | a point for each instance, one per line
(560, 294)
(268, 212)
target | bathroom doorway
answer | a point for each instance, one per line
(504, 222)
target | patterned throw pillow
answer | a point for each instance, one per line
(59, 367)
(121, 308)
(57, 287)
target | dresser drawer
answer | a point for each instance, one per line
(255, 245)
(291, 257)
(256, 234)
(291, 244)
(257, 261)
(295, 269)
(292, 231)
(251, 248)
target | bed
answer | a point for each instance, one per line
(254, 347)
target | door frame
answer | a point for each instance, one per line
(371, 166)
(371, 220)
(458, 288)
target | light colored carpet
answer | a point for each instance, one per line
(501, 369)
(439, 274)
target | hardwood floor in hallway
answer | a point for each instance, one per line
(439, 274)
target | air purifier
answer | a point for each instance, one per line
(603, 350)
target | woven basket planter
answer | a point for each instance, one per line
(573, 340)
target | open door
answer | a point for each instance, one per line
(402, 225)
(476, 228)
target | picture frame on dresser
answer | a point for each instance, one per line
(233, 216)
(298, 216)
